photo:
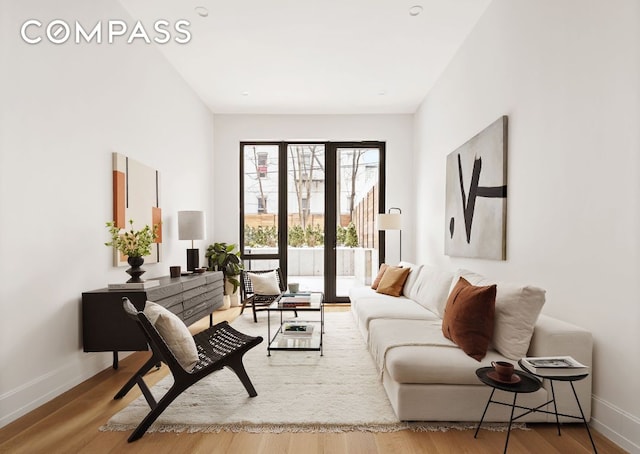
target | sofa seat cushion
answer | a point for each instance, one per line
(391, 307)
(415, 351)
(357, 293)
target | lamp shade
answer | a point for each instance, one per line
(389, 221)
(191, 225)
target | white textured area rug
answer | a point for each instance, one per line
(298, 391)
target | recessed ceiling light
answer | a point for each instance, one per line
(382, 93)
(415, 10)
(245, 93)
(202, 11)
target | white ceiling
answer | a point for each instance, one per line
(313, 56)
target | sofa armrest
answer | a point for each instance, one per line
(553, 337)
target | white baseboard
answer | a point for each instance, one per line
(34, 393)
(620, 427)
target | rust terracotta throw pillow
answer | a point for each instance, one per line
(468, 317)
(376, 281)
(393, 280)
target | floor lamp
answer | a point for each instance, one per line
(191, 227)
(391, 221)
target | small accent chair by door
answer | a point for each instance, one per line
(257, 301)
(217, 347)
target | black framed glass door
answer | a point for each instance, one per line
(311, 209)
(355, 196)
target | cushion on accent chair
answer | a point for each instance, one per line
(517, 310)
(469, 317)
(175, 334)
(265, 283)
(393, 280)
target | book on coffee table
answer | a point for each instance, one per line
(297, 329)
(554, 365)
(294, 301)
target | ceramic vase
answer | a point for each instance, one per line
(135, 271)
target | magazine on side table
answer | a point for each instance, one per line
(554, 365)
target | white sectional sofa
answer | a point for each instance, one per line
(428, 378)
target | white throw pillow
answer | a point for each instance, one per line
(265, 283)
(175, 334)
(517, 310)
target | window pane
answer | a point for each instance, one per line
(357, 208)
(260, 199)
(305, 194)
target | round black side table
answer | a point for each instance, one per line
(527, 384)
(566, 378)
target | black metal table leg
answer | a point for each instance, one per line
(321, 329)
(555, 406)
(269, 340)
(115, 359)
(584, 420)
(526, 383)
(513, 408)
(493, 390)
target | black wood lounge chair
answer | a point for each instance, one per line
(250, 298)
(218, 346)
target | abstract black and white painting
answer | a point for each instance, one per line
(476, 196)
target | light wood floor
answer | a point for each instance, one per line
(69, 424)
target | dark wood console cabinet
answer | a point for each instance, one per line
(106, 327)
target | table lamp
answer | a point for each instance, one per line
(191, 227)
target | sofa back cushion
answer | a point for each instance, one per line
(431, 289)
(469, 317)
(517, 310)
(412, 278)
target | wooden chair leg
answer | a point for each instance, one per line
(169, 397)
(238, 367)
(146, 367)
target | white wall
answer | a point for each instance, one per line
(395, 130)
(64, 110)
(567, 74)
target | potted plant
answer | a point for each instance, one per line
(135, 244)
(223, 257)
